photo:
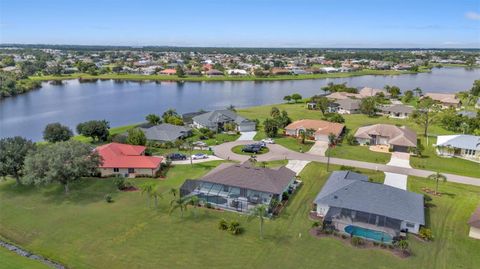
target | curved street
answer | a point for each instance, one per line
(278, 152)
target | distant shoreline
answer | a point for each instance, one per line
(135, 77)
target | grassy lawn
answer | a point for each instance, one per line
(216, 139)
(238, 150)
(226, 78)
(81, 230)
(10, 259)
(113, 131)
(286, 141)
(430, 161)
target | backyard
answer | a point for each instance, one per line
(81, 230)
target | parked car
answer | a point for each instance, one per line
(176, 156)
(253, 148)
(199, 156)
(261, 144)
(200, 144)
(268, 141)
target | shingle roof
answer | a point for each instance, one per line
(320, 126)
(459, 141)
(399, 136)
(474, 220)
(349, 104)
(254, 178)
(165, 132)
(443, 97)
(116, 155)
(345, 189)
(398, 108)
(368, 92)
(210, 119)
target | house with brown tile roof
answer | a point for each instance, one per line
(397, 138)
(240, 187)
(474, 223)
(445, 99)
(321, 129)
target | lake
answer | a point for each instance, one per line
(125, 102)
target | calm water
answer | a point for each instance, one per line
(124, 103)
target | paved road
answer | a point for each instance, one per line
(278, 152)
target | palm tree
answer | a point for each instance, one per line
(156, 194)
(437, 177)
(147, 188)
(331, 143)
(179, 203)
(189, 146)
(195, 202)
(260, 211)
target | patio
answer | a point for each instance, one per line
(380, 148)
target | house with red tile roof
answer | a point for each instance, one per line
(127, 160)
(321, 128)
(168, 72)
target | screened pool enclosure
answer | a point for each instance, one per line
(226, 197)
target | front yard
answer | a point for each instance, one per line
(81, 230)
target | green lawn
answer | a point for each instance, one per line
(82, 231)
(216, 139)
(113, 131)
(11, 260)
(287, 141)
(430, 161)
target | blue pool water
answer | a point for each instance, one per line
(368, 234)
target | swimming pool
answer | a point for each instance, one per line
(368, 234)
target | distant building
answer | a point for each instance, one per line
(397, 138)
(216, 120)
(397, 111)
(322, 129)
(168, 72)
(462, 146)
(348, 106)
(445, 99)
(166, 132)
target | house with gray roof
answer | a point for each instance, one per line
(215, 121)
(461, 146)
(354, 205)
(397, 111)
(166, 132)
(348, 106)
(240, 187)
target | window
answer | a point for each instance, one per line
(116, 170)
(131, 170)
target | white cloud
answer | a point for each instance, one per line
(472, 15)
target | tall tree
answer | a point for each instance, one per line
(153, 119)
(260, 212)
(394, 91)
(322, 104)
(331, 143)
(368, 106)
(13, 151)
(296, 97)
(136, 137)
(270, 127)
(274, 112)
(96, 129)
(437, 177)
(180, 203)
(426, 113)
(55, 132)
(62, 162)
(287, 98)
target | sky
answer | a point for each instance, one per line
(244, 23)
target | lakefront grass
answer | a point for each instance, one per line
(139, 77)
(10, 260)
(81, 230)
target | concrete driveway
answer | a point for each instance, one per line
(319, 148)
(400, 159)
(246, 136)
(296, 165)
(209, 159)
(396, 180)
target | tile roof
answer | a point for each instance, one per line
(350, 190)
(320, 126)
(249, 177)
(116, 155)
(349, 104)
(399, 136)
(443, 97)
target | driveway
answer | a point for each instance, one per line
(296, 165)
(246, 136)
(400, 159)
(187, 161)
(319, 148)
(396, 180)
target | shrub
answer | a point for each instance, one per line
(285, 196)
(383, 245)
(108, 198)
(357, 241)
(120, 182)
(208, 205)
(344, 236)
(347, 168)
(351, 140)
(426, 234)
(315, 224)
(234, 227)
(402, 244)
(376, 243)
(223, 224)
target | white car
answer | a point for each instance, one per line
(199, 156)
(268, 141)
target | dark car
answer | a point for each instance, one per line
(176, 156)
(252, 148)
